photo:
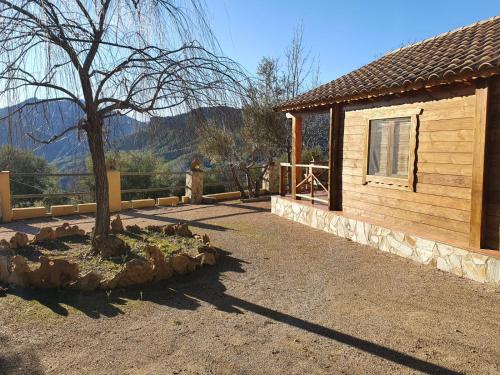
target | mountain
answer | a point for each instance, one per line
(43, 120)
(173, 137)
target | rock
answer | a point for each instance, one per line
(133, 229)
(53, 273)
(182, 230)
(205, 240)
(182, 264)
(18, 240)
(4, 268)
(161, 269)
(88, 282)
(206, 259)
(135, 272)
(117, 225)
(111, 246)
(5, 248)
(169, 230)
(45, 234)
(107, 284)
(154, 228)
(67, 230)
(19, 273)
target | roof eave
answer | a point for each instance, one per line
(308, 105)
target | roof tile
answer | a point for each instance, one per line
(470, 50)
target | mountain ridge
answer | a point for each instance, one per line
(173, 137)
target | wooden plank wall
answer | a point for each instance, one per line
(440, 207)
(493, 168)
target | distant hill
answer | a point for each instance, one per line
(173, 137)
(43, 120)
(176, 137)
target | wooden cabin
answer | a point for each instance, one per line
(414, 149)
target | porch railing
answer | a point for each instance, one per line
(311, 182)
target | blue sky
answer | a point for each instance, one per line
(344, 34)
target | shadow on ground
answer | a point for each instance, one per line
(188, 292)
(153, 214)
(15, 362)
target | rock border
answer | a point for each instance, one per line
(59, 273)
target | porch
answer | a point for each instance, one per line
(315, 181)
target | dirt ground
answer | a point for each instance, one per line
(286, 299)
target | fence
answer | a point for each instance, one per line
(123, 191)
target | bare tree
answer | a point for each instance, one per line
(111, 57)
(301, 73)
(299, 65)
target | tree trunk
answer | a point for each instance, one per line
(251, 191)
(96, 146)
(260, 178)
(237, 181)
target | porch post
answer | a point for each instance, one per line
(335, 157)
(296, 150)
(478, 165)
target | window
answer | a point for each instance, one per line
(390, 146)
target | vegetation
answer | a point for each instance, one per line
(77, 249)
(140, 162)
(24, 161)
(249, 150)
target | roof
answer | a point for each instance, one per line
(461, 54)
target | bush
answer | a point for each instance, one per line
(24, 161)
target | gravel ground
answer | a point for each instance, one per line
(286, 299)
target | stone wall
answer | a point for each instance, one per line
(464, 263)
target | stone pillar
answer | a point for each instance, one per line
(115, 191)
(271, 180)
(6, 209)
(194, 186)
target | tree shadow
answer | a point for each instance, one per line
(196, 223)
(32, 226)
(153, 214)
(13, 361)
(205, 285)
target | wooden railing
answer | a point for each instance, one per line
(313, 182)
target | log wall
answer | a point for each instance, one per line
(441, 204)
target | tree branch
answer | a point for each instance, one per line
(54, 137)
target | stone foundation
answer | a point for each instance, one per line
(464, 263)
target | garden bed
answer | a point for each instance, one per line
(63, 258)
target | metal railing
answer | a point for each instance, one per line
(42, 195)
(169, 183)
(167, 187)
